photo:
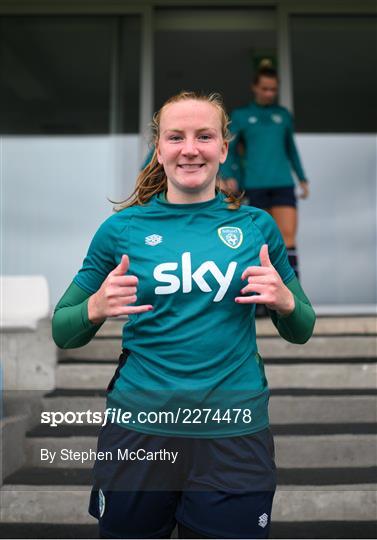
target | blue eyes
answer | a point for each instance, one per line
(177, 138)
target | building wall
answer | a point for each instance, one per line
(337, 223)
(72, 70)
(55, 193)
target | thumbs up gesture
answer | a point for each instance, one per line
(266, 281)
(115, 294)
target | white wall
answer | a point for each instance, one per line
(54, 193)
(54, 198)
(337, 224)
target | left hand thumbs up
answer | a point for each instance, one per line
(264, 256)
(267, 283)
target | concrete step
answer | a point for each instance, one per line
(283, 409)
(62, 504)
(51, 530)
(57, 401)
(324, 347)
(269, 347)
(45, 504)
(322, 376)
(324, 529)
(81, 376)
(344, 503)
(361, 325)
(308, 375)
(279, 529)
(12, 428)
(322, 409)
(325, 451)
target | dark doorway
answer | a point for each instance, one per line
(211, 50)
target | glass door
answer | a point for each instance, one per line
(211, 50)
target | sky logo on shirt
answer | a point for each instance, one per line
(174, 283)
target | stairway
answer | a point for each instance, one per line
(322, 413)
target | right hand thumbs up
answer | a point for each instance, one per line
(115, 294)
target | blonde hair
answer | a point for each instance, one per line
(265, 69)
(152, 179)
(265, 63)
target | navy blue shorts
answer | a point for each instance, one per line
(268, 198)
(218, 488)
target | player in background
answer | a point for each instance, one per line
(264, 130)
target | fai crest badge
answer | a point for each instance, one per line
(101, 503)
(231, 236)
(277, 118)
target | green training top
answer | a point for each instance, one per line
(197, 348)
(270, 149)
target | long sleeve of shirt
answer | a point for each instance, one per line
(292, 152)
(297, 327)
(71, 327)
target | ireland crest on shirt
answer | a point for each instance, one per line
(231, 236)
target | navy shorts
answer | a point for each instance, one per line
(218, 488)
(268, 198)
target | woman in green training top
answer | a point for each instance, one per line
(265, 132)
(187, 263)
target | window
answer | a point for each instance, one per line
(57, 74)
(334, 73)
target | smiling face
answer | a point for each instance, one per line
(190, 148)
